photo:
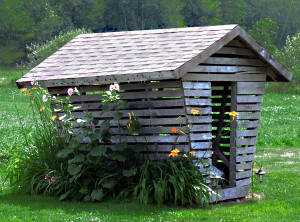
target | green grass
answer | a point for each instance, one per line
(280, 127)
(9, 76)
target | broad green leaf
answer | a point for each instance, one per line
(92, 159)
(130, 173)
(98, 150)
(87, 198)
(79, 138)
(105, 125)
(73, 169)
(121, 146)
(118, 156)
(109, 184)
(65, 152)
(84, 190)
(97, 194)
(64, 196)
(77, 159)
(117, 116)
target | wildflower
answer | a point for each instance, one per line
(42, 109)
(97, 84)
(29, 94)
(174, 153)
(45, 98)
(53, 179)
(90, 125)
(46, 176)
(115, 86)
(128, 126)
(23, 90)
(192, 153)
(54, 117)
(186, 116)
(76, 90)
(54, 97)
(174, 130)
(70, 91)
(195, 112)
(233, 114)
(32, 83)
(129, 116)
(49, 181)
(35, 88)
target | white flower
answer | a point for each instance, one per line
(76, 90)
(70, 91)
(115, 86)
(45, 98)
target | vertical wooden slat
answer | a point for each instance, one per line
(233, 127)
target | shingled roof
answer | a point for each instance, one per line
(140, 56)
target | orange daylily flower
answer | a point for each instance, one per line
(195, 112)
(128, 126)
(174, 153)
(29, 94)
(54, 117)
(129, 116)
(42, 109)
(192, 153)
(174, 130)
(233, 114)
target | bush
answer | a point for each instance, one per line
(39, 52)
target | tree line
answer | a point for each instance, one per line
(23, 22)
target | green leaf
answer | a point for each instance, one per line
(87, 198)
(98, 150)
(138, 148)
(92, 159)
(64, 196)
(117, 116)
(73, 144)
(73, 169)
(109, 184)
(105, 125)
(118, 156)
(130, 173)
(77, 159)
(84, 190)
(65, 152)
(106, 109)
(79, 138)
(97, 194)
(121, 146)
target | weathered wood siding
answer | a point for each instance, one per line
(157, 105)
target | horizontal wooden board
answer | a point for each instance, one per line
(250, 116)
(200, 145)
(199, 119)
(203, 111)
(243, 174)
(200, 128)
(203, 154)
(250, 90)
(247, 141)
(247, 133)
(247, 108)
(200, 93)
(250, 84)
(244, 166)
(197, 102)
(167, 147)
(248, 124)
(227, 69)
(150, 139)
(243, 182)
(196, 85)
(231, 193)
(233, 61)
(200, 136)
(249, 99)
(224, 77)
(236, 43)
(245, 158)
(243, 150)
(235, 51)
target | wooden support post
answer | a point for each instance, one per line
(233, 127)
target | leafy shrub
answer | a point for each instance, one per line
(39, 52)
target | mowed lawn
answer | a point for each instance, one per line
(276, 199)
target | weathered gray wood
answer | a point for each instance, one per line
(248, 141)
(251, 90)
(197, 102)
(149, 139)
(200, 128)
(199, 119)
(227, 69)
(243, 174)
(200, 93)
(244, 166)
(247, 133)
(233, 143)
(231, 193)
(245, 116)
(200, 145)
(203, 154)
(224, 77)
(249, 99)
(248, 124)
(235, 51)
(196, 85)
(166, 148)
(247, 108)
(206, 110)
(244, 182)
(246, 158)
(200, 136)
(242, 150)
(251, 84)
(233, 61)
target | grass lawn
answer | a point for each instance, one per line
(277, 197)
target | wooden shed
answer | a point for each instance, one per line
(164, 74)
